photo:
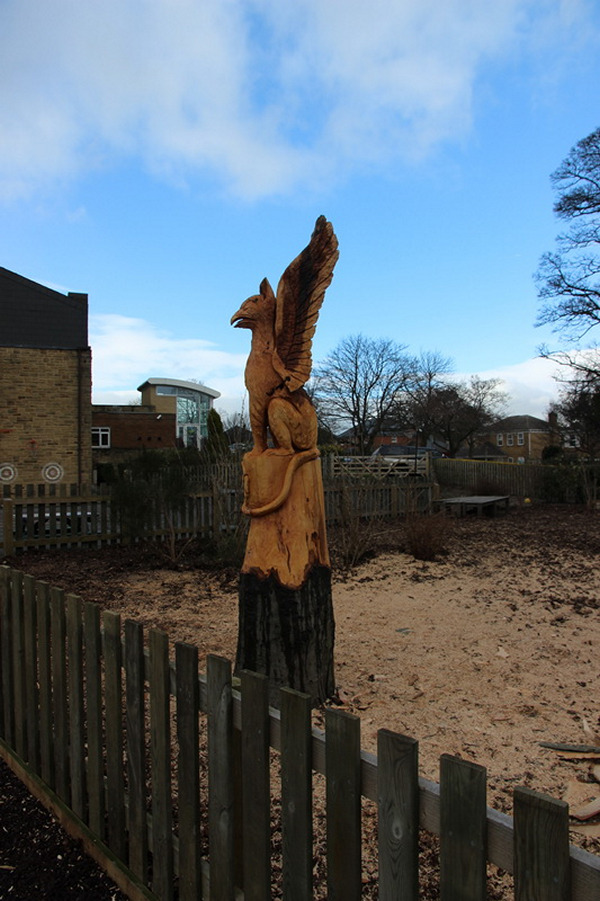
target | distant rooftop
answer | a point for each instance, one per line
(179, 383)
(520, 424)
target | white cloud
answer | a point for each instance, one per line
(264, 94)
(530, 386)
(127, 351)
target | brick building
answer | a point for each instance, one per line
(173, 413)
(45, 384)
(117, 431)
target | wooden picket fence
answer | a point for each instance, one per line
(87, 713)
(79, 518)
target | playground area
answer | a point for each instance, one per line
(484, 653)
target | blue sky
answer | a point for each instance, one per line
(163, 156)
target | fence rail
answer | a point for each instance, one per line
(78, 520)
(569, 483)
(86, 720)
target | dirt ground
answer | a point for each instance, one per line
(483, 653)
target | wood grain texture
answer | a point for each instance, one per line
(398, 816)
(76, 705)
(188, 771)
(256, 787)
(296, 795)
(343, 805)
(541, 836)
(94, 702)
(59, 694)
(135, 720)
(463, 835)
(160, 744)
(115, 790)
(220, 783)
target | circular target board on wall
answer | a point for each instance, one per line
(52, 472)
(8, 472)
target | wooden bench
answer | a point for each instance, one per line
(478, 504)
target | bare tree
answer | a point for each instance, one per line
(578, 411)
(358, 383)
(569, 277)
(452, 413)
(412, 407)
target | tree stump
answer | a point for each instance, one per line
(286, 626)
(288, 633)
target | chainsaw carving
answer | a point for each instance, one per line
(282, 479)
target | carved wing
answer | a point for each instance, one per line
(300, 294)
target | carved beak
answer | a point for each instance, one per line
(238, 320)
(241, 319)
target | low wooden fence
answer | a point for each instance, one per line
(515, 479)
(569, 483)
(380, 467)
(188, 811)
(29, 521)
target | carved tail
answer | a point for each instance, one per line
(295, 463)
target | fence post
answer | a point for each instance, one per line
(31, 673)
(7, 527)
(398, 816)
(18, 663)
(220, 778)
(256, 787)
(114, 732)
(136, 748)
(463, 830)
(59, 694)
(296, 795)
(93, 681)
(188, 771)
(160, 729)
(542, 862)
(343, 805)
(76, 704)
(7, 724)
(45, 684)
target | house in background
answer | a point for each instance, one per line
(522, 439)
(172, 413)
(45, 384)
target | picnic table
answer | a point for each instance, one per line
(479, 504)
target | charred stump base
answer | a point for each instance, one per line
(288, 633)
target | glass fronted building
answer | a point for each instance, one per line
(190, 402)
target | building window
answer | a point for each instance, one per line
(394, 439)
(520, 438)
(101, 436)
(510, 440)
(499, 439)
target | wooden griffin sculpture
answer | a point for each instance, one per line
(283, 491)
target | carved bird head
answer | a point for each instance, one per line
(260, 308)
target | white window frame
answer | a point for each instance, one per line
(520, 438)
(499, 439)
(101, 437)
(510, 440)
